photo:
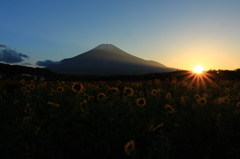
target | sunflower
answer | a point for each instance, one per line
(129, 147)
(141, 102)
(150, 82)
(135, 84)
(216, 101)
(83, 105)
(117, 98)
(114, 90)
(50, 94)
(156, 81)
(27, 86)
(128, 91)
(16, 101)
(198, 85)
(235, 86)
(77, 87)
(205, 95)
(226, 90)
(101, 96)
(60, 89)
(238, 95)
(23, 89)
(238, 104)
(22, 82)
(107, 87)
(38, 129)
(27, 108)
(182, 100)
(169, 108)
(4, 91)
(197, 96)
(92, 86)
(27, 119)
(140, 84)
(32, 86)
(90, 98)
(44, 84)
(40, 85)
(27, 92)
(154, 92)
(218, 116)
(97, 88)
(168, 96)
(53, 104)
(84, 89)
(177, 84)
(221, 100)
(66, 86)
(210, 90)
(119, 82)
(141, 93)
(227, 99)
(177, 125)
(86, 95)
(202, 101)
(193, 88)
(156, 127)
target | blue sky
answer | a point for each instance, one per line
(176, 33)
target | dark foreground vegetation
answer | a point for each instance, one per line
(23, 72)
(147, 119)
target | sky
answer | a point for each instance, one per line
(177, 33)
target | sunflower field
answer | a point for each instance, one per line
(119, 119)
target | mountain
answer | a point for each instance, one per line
(107, 59)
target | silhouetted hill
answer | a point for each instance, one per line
(107, 59)
(10, 70)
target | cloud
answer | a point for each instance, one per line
(47, 63)
(11, 56)
(26, 63)
(2, 46)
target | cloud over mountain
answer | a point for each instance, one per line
(26, 64)
(2, 46)
(47, 63)
(10, 56)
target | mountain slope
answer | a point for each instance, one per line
(107, 59)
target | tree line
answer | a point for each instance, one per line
(18, 72)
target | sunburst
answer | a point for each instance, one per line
(199, 79)
(198, 69)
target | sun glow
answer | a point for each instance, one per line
(198, 78)
(198, 69)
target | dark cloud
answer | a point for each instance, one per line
(47, 63)
(11, 56)
(2, 46)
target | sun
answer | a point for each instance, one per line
(198, 69)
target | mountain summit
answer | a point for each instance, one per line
(106, 47)
(107, 59)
